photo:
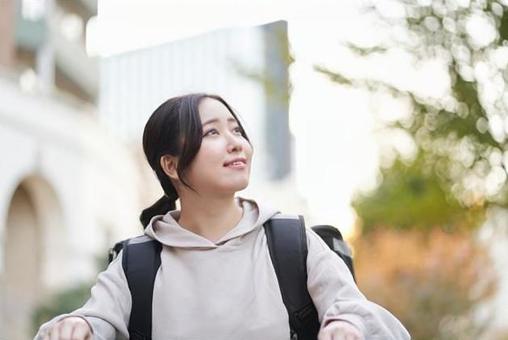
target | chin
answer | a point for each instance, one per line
(234, 187)
(243, 186)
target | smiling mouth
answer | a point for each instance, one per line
(236, 162)
(236, 165)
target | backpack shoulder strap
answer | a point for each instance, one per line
(140, 261)
(287, 244)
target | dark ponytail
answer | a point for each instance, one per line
(162, 206)
(174, 128)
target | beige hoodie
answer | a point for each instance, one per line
(228, 290)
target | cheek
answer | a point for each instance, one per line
(210, 153)
(250, 152)
(248, 149)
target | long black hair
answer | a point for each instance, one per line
(175, 129)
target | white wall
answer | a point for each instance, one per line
(93, 177)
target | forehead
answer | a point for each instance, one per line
(210, 108)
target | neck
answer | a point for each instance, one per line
(210, 217)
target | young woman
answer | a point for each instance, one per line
(216, 279)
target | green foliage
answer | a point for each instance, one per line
(410, 197)
(417, 255)
(461, 137)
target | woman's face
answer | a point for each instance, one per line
(222, 164)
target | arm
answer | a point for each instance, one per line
(337, 298)
(107, 311)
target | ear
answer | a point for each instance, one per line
(169, 165)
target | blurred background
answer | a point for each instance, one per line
(386, 119)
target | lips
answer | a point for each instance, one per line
(239, 160)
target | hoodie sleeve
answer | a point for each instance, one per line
(336, 296)
(108, 309)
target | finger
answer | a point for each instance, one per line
(66, 329)
(353, 334)
(324, 335)
(81, 332)
(54, 332)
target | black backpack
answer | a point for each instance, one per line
(287, 244)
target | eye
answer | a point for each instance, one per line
(210, 132)
(238, 130)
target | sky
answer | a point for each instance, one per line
(337, 152)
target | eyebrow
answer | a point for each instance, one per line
(215, 120)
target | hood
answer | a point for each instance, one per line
(165, 228)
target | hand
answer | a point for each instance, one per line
(340, 330)
(70, 328)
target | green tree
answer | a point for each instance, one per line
(413, 197)
(461, 137)
(408, 258)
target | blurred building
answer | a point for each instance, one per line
(73, 177)
(62, 179)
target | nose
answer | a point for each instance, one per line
(234, 143)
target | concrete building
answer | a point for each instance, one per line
(63, 196)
